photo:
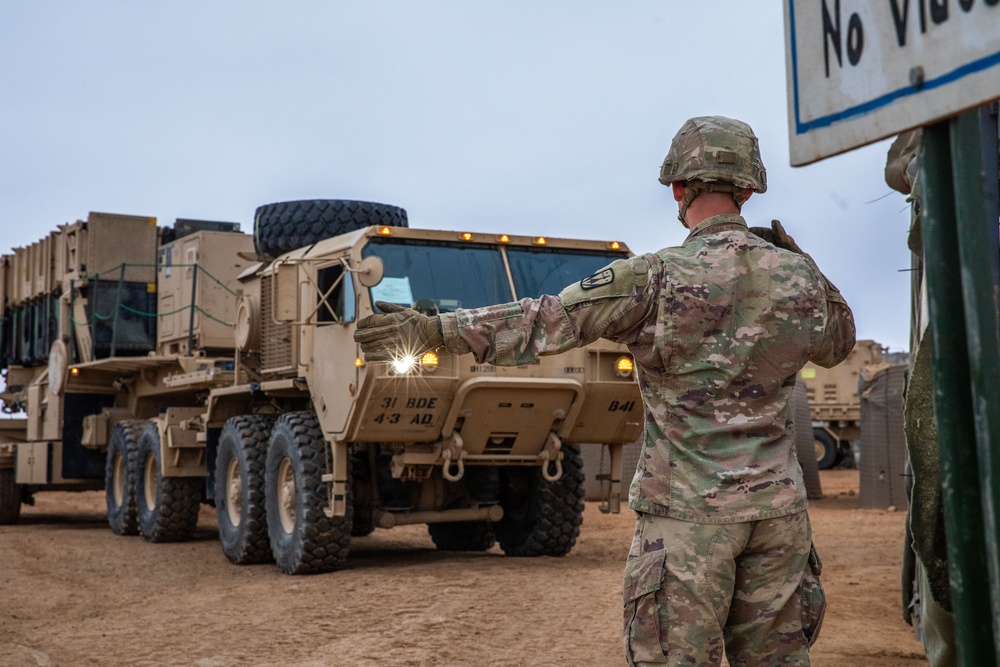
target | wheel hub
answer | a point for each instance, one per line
(234, 492)
(150, 477)
(118, 480)
(286, 495)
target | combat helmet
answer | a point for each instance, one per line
(716, 154)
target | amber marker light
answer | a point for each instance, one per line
(615, 245)
(74, 371)
(466, 236)
(624, 366)
(540, 240)
(503, 238)
(359, 362)
(429, 360)
(385, 231)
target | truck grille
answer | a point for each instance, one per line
(276, 338)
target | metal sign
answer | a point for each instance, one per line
(860, 71)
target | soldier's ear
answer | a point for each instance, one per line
(678, 187)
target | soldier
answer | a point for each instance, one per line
(719, 327)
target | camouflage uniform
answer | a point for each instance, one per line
(719, 328)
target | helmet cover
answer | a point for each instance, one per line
(713, 149)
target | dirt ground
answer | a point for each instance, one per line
(71, 593)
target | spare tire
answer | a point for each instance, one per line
(284, 226)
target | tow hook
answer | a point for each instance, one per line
(446, 467)
(453, 453)
(551, 455)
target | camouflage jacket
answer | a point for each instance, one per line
(719, 328)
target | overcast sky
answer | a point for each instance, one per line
(519, 117)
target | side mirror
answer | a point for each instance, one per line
(370, 271)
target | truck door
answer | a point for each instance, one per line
(332, 355)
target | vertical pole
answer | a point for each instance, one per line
(118, 305)
(953, 407)
(93, 316)
(72, 321)
(974, 155)
(194, 295)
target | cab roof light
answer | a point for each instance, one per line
(615, 245)
(540, 240)
(503, 238)
(465, 236)
(385, 231)
(359, 362)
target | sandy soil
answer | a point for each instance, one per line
(71, 593)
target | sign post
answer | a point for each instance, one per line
(960, 255)
(860, 71)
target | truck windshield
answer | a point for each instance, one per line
(539, 271)
(439, 277)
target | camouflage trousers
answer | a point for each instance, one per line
(694, 591)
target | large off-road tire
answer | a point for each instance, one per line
(541, 518)
(304, 540)
(120, 477)
(167, 506)
(284, 226)
(827, 455)
(10, 497)
(462, 535)
(239, 489)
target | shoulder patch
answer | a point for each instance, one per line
(614, 280)
(599, 279)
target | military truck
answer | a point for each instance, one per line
(835, 405)
(258, 402)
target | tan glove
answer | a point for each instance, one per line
(777, 235)
(782, 239)
(397, 332)
(764, 233)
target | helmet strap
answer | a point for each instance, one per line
(694, 188)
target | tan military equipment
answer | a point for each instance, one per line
(834, 402)
(250, 393)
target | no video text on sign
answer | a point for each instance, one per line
(863, 70)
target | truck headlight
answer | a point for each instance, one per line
(404, 365)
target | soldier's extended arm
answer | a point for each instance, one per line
(612, 303)
(838, 337)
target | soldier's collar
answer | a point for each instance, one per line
(718, 223)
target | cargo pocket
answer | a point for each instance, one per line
(643, 577)
(812, 597)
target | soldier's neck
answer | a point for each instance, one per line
(707, 205)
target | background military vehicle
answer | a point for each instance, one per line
(835, 403)
(198, 364)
